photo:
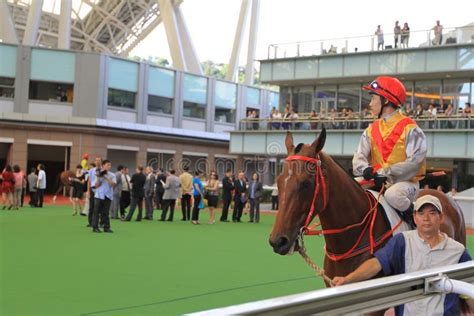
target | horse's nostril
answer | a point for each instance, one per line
(281, 242)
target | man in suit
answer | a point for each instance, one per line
(255, 194)
(138, 193)
(115, 203)
(240, 197)
(159, 190)
(149, 191)
(227, 188)
(171, 187)
(126, 190)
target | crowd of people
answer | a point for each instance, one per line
(103, 195)
(347, 118)
(401, 36)
(14, 184)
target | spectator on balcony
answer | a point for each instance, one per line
(333, 117)
(419, 111)
(351, 116)
(432, 114)
(397, 31)
(277, 117)
(438, 33)
(380, 40)
(405, 35)
(295, 117)
(449, 113)
(249, 119)
(255, 119)
(286, 116)
(365, 117)
(467, 114)
(313, 120)
(407, 111)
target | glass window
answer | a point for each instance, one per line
(161, 82)
(465, 58)
(225, 94)
(224, 115)
(409, 106)
(160, 104)
(194, 110)
(302, 99)
(273, 99)
(123, 75)
(325, 100)
(7, 87)
(8, 63)
(160, 161)
(428, 92)
(194, 163)
(348, 97)
(253, 96)
(195, 89)
(285, 97)
(51, 91)
(51, 65)
(221, 165)
(121, 98)
(456, 92)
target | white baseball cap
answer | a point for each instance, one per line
(428, 199)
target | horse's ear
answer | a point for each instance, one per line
(318, 144)
(289, 142)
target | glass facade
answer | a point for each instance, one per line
(160, 105)
(121, 98)
(457, 92)
(428, 92)
(348, 97)
(302, 99)
(7, 87)
(51, 91)
(225, 100)
(195, 96)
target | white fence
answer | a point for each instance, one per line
(361, 297)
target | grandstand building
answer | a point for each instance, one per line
(329, 81)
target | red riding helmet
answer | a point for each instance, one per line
(388, 87)
(85, 156)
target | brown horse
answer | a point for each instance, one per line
(339, 202)
(63, 182)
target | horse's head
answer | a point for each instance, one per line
(296, 187)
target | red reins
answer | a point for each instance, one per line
(369, 219)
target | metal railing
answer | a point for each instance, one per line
(338, 123)
(361, 297)
(367, 43)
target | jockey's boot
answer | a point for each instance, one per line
(407, 216)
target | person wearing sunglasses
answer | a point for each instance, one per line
(392, 150)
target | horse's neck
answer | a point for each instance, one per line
(347, 204)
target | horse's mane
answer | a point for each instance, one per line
(327, 157)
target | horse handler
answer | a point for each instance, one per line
(424, 248)
(393, 148)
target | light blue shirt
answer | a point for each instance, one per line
(105, 190)
(252, 190)
(92, 177)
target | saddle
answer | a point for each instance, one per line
(392, 216)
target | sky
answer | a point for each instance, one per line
(212, 23)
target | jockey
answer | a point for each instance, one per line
(85, 162)
(393, 148)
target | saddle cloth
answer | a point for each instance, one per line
(391, 215)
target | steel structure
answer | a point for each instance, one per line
(115, 27)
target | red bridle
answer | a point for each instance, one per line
(369, 219)
(319, 186)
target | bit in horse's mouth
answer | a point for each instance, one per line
(294, 247)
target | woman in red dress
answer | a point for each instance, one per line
(8, 185)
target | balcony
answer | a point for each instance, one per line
(357, 60)
(447, 137)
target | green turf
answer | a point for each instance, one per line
(51, 264)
